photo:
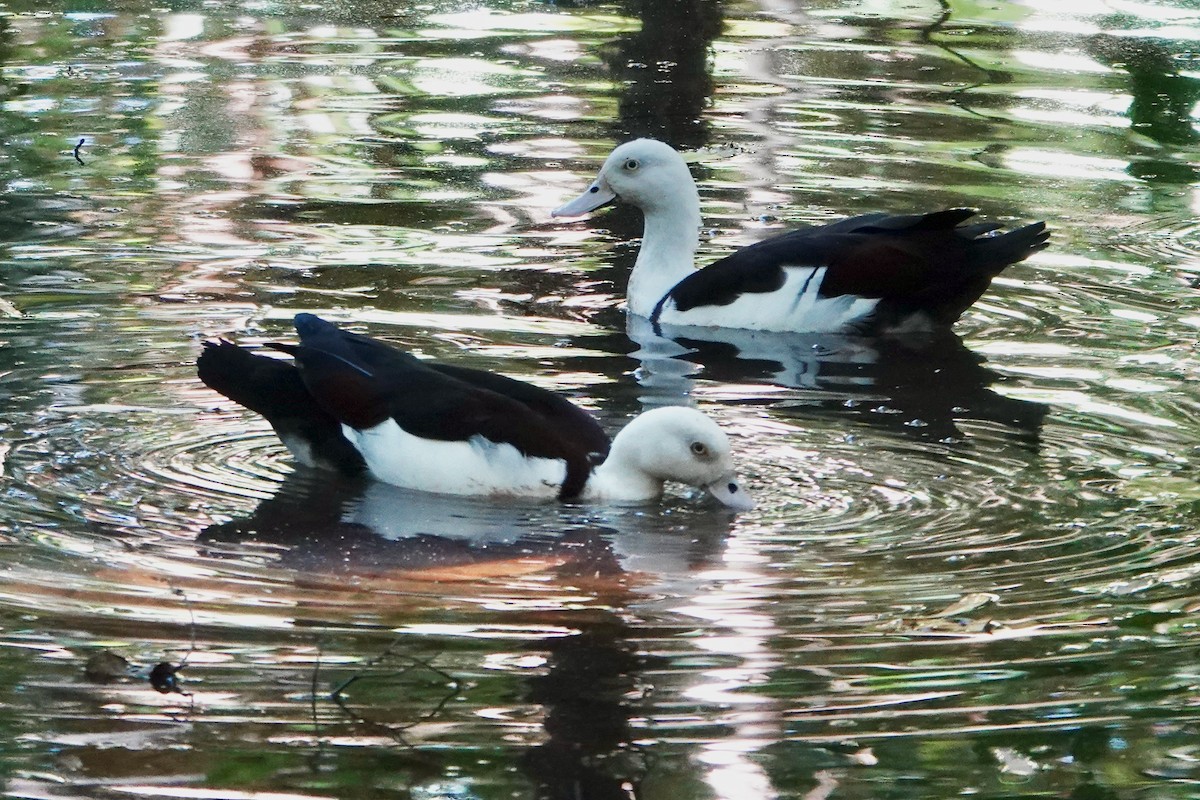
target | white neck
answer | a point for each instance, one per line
(668, 254)
(621, 478)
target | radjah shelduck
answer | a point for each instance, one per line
(869, 274)
(353, 403)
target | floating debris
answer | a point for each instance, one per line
(966, 604)
(165, 677)
(106, 667)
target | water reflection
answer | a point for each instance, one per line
(916, 385)
(1163, 101)
(589, 690)
(665, 71)
(593, 685)
(328, 524)
(244, 163)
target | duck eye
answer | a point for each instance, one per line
(698, 448)
(632, 164)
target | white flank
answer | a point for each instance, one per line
(300, 449)
(796, 306)
(475, 467)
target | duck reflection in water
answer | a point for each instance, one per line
(408, 543)
(322, 523)
(921, 385)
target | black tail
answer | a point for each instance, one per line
(987, 254)
(991, 254)
(273, 388)
(962, 261)
(266, 386)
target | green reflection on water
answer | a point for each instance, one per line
(394, 168)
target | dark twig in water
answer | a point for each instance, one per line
(313, 691)
(77, 158)
(314, 759)
(395, 731)
(165, 675)
(191, 626)
(957, 95)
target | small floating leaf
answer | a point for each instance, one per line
(966, 604)
(106, 667)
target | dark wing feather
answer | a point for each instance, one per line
(944, 220)
(362, 382)
(755, 269)
(273, 388)
(340, 386)
(552, 407)
(918, 263)
(938, 270)
(758, 268)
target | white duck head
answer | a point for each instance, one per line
(645, 173)
(672, 443)
(652, 176)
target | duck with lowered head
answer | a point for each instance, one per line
(355, 404)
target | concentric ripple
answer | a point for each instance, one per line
(972, 568)
(1168, 240)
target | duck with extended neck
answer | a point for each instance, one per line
(869, 274)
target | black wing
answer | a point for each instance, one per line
(915, 263)
(758, 268)
(362, 382)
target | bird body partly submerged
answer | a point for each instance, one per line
(355, 403)
(873, 273)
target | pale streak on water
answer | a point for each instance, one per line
(963, 576)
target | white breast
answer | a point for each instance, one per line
(795, 306)
(477, 466)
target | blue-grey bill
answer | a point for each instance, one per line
(731, 493)
(596, 195)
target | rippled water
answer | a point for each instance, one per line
(973, 567)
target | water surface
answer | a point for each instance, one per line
(973, 566)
